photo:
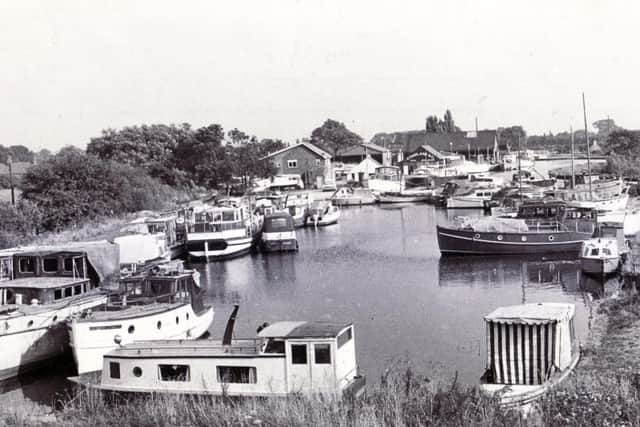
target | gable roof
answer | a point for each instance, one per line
(316, 150)
(410, 141)
(427, 149)
(360, 149)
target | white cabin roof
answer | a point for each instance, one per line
(532, 314)
(294, 329)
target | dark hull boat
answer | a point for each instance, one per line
(539, 227)
(454, 241)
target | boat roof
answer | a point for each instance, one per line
(42, 282)
(301, 329)
(532, 314)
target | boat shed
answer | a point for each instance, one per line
(529, 342)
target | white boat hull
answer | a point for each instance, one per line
(465, 203)
(324, 221)
(212, 246)
(91, 340)
(29, 341)
(599, 266)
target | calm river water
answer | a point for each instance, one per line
(379, 268)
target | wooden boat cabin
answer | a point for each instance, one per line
(286, 357)
(43, 277)
(530, 347)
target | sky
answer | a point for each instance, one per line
(280, 68)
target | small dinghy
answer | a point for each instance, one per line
(530, 349)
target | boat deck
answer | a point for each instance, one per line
(190, 348)
(42, 282)
(117, 312)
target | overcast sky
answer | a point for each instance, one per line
(278, 69)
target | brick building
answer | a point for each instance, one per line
(305, 159)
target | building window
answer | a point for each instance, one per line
(322, 354)
(278, 164)
(292, 164)
(299, 354)
(318, 162)
(50, 265)
(114, 370)
(344, 337)
(237, 374)
(174, 372)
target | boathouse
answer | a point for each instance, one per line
(312, 163)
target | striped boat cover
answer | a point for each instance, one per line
(522, 354)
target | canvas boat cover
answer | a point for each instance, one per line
(532, 314)
(495, 225)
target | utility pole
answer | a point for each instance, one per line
(10, 164)
(586, 136)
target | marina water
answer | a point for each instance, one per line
(380, 268)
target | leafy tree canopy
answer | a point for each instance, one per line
(334, 137)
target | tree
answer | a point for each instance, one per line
(433, 125)
(449, 124)
(149, 147)
(73, 186)
(204, 158)
(623, 143)
(334, 137)
(508, 137)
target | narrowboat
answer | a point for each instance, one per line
(539, 227)
(323, 213)
(217, 233)
(278, 233)
(530, 349)
(165, 302)
(313, 358)
(39, 292)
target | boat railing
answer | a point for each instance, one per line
(214, 227)
(238, 346)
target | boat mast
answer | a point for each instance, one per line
(573, 172)
(519, 169)
(586, 136)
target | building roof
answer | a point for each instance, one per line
(427, 149)
(410, 141)
(316, 150)
(532, 314)
(42, 282)
(292, 329)
(362, 149)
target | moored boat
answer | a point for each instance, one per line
(530, 349)
(401, 198)
(217, 232)
(285, 357)
(278, 233)
(539, 227)
(323, 213)
(163, 303)
(298, 207)
(39, 291)
(600, 256)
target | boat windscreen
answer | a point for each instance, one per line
(278, 224)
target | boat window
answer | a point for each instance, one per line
(322, 354)
(344, 337)
(137, 371)
(606, 251)
(68, 292)
(77, 289)
(27, 265)
(68, 264)
(228, 216)
(237, 374)
(594, 252)
(114, 370)
(299, 354)
(5, 269)
(57, 294)
(586, 251)
(274, 346)
(174, 372)
(50, 265)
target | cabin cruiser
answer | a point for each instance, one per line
(605, 253)
(515, 161)
(218, 232)
(323, 213)
(39, 291)
(278, 233)
(530, 349)
(387, 179)
(298, 207)
(539, 227)
(347, 196)
(163, 303)
(312, 358)
(477, 198)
